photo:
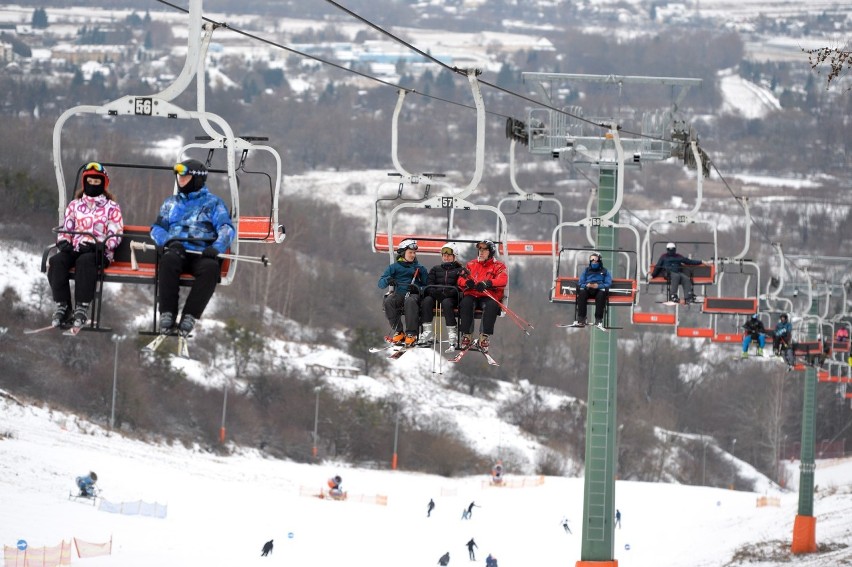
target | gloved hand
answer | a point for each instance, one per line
(64, 246)
(210, 252)
(176, 248)
(469, 284)
(483, 285)
(414, 288)
(87, 247)
(392, 282)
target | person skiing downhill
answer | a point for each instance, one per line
(484, 275)
(193, 220)
(91, 231)
(267, 548)
(407, 276)
(443, 290)
(429, 508)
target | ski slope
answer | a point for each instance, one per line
(222, 509)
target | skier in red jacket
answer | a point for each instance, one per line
(484, 276)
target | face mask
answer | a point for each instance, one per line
(93, 190)
(595, 265)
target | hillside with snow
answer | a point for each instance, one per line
(220, 511)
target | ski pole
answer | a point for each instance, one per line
(136, 245)
(518, 320)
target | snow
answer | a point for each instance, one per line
(746, 98)
(222, 509)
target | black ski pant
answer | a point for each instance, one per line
(490, 311)
(396, 304)
(206, 274)
(85, 276)
(599, 295)
(448, 306)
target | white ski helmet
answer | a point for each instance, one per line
(671, 246)
(407, 244)
(453, 247)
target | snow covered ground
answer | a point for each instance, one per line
(222, 509)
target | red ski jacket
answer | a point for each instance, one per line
(490, 269)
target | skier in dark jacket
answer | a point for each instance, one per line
(429, 508)
(671, 265)
(407, 276)
(754, 329)
(444, 274)
(267, 548)
(595, 282)
(470, 545)
(444, 560)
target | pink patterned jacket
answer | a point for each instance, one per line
(97, 215)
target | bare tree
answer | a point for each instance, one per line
(838, 60)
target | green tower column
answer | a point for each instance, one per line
(804, 527)
(599, 484)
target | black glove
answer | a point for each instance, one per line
(483, 285)
(87, 247)
(64, 246)
(210, 252)
(414, 288)
(392, 282)
(469, 284)
(176, 248)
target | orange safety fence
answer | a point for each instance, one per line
(38, 556)
(87, 549)
(523, 482)
(768, 501)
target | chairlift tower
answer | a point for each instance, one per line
(567, 135)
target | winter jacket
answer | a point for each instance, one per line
(672, 262)
(489, 270)
(784, 332)
(198, 215)
(97, 215)
(401, 273)
(754, 327)
(601, 276)
(446, 273)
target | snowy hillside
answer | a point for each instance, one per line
(220, 511)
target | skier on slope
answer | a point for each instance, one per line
(485, 276)
(407, 276)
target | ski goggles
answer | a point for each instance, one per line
(411, 246)
(94, 166)
(182, 169)
(448, 251)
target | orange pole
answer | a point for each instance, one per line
(314, 451)
(221, 435)
(393, 462)
(804, 535)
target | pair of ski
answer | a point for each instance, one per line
(475, 347)
(183, 346)
(576, 325)
(68, 331)
(400, 349)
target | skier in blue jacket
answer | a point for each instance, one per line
(595, 282)
(193, 219)
(406, 276)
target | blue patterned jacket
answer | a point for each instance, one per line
(199, 214)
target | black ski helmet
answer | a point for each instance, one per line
(783, 316)
(196, 169)
(492, 248)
